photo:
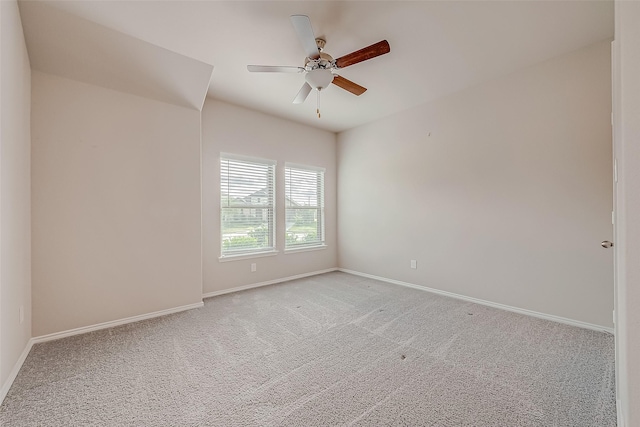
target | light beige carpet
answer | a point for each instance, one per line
(334, 349)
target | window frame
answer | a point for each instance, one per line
(320, 205)
(271, 249)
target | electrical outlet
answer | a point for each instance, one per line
(414, 263)
(253, 267)
(21, 314)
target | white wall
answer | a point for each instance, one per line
(627, 149)
(231, 129)
(501, 192)
(15, 201)
(116, 205)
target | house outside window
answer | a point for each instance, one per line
(247, 211)
(304, 207)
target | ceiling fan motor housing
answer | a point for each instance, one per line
(325, 61)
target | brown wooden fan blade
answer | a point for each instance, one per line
(363, 54)
(348, 85)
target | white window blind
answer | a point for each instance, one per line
(304, 206)
(247, 211)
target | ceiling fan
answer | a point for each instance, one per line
(319, 67)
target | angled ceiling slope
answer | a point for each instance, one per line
(437, 47)
(66, 45)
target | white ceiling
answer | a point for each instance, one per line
(65, 45)
(437, 47)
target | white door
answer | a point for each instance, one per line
(616, 228)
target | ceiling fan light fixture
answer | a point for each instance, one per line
(319, 78)
(319, 65)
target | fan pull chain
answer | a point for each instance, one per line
(318, 103)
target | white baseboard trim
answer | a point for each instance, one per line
(113, 323)
(269, 282)
(524, 311)
(14, 372)
(620, 414)
(77, 331)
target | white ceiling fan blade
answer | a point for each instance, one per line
(273, 69)
(302, 25)
(302, 93)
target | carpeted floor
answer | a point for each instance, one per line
(334, 349)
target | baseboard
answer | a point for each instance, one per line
(269, 282)
(526, 312)
(113, 323)
(83, 330)
(619, 414)
(77, 331)
(14, 372)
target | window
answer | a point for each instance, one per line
(304, 205)
(247, 205)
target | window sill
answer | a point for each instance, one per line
(305, 249)
(226, 258)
